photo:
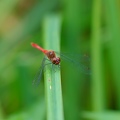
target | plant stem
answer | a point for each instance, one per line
(52, 26)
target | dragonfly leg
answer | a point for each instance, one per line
(53, 68)
(59, 66)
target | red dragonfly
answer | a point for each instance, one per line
(51, 55)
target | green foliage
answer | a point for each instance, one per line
(71, 26)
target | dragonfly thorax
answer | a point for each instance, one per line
(52, 57)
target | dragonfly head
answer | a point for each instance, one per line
(56, 60)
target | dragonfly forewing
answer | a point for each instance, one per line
(81, 62)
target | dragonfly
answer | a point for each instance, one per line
(51, 56)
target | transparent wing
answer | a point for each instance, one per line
(38, 76)
(82, 62)
(77, 56)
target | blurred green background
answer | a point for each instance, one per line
(87, 27)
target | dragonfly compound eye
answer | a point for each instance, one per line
(58, 59)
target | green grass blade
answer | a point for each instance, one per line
(103, 115)
(114, 43)
(96, 53)
(52, 26)
(71, 43)
(1, 112)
